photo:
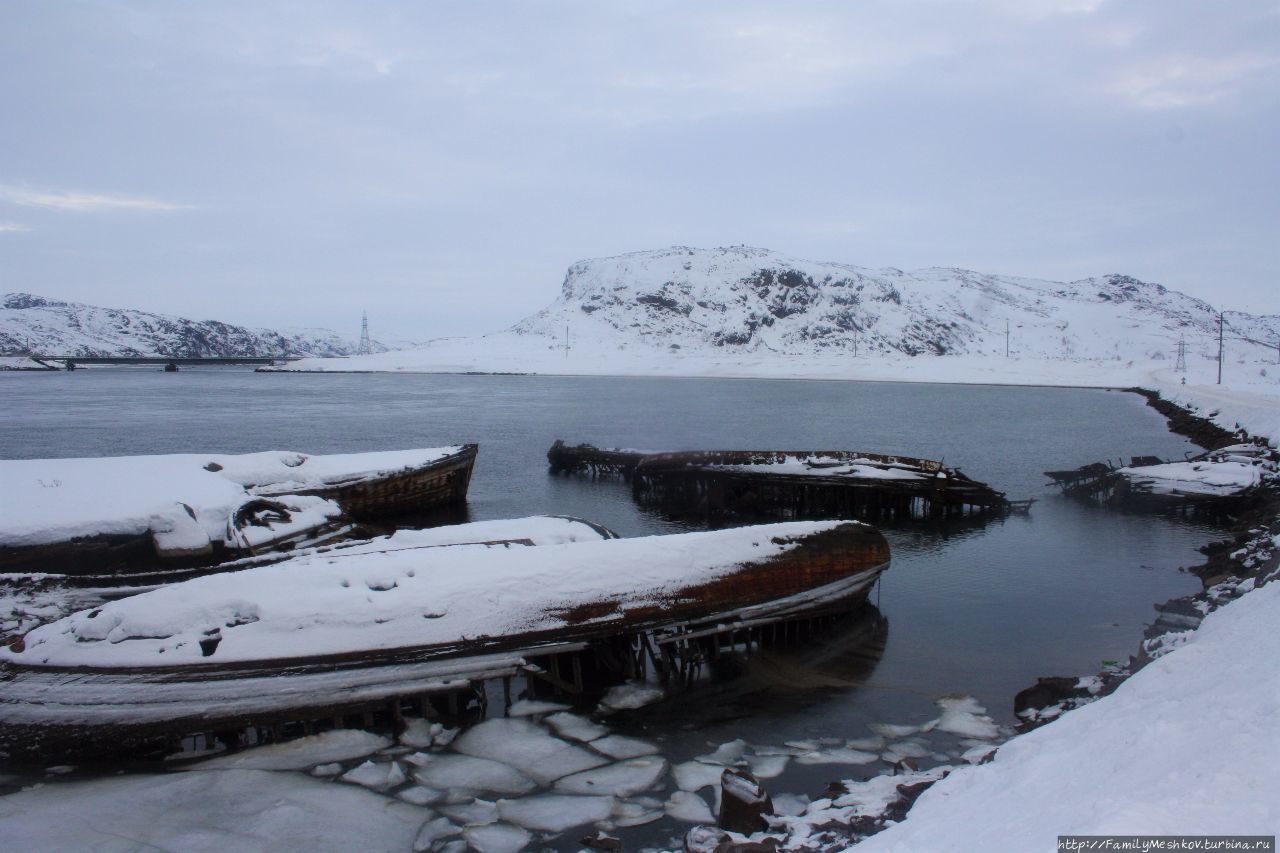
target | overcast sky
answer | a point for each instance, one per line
(440, 164)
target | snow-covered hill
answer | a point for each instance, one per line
(746, 300)
(50, 327)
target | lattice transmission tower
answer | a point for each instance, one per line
(1181, 366)
(364, 347)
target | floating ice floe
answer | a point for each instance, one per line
(497, 838)
(327, 771)
(726, 754)
(468, 773)
(790, 804)
(324, 748)
(962, 715)
(573, 727)
(375, 776)
(555, 812)
(621, 747)
(474, 813)
(837, 756)
(869, 744)
(623, 779)
(420, 795)
(909, 749)
(892, 730)
(767, 766)
(636, 813)
(689, 807)
(533, 708)
(633, 694)
(419, 733)
(432, 831)
(528, 748)
(696, 775)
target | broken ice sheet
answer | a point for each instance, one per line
(527, 747)
(689, 807)
(497, 838)
(695, 775)
(450, 772)
(622, 779)
(620, 747)
(573, 727)
(555, 812)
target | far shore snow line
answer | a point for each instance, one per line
(904, 381)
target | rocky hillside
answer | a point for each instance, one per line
(50, 327)
(754, 300)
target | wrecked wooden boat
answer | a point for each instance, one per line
(372, 486)
(1221, 480)
(320, 636)
(719, 484)
(128, 514)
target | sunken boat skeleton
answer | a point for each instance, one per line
(720, 484)
(388, 632)
(1218, 481)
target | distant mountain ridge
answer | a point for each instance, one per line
(718, 301)
(54, 327)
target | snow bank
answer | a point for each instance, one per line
(1185, 746)
(321, 604)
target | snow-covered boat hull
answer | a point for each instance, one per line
(63, 695)
(149, 514)
(432, 485)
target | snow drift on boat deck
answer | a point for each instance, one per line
(324, 604)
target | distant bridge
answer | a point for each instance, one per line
(171, 363)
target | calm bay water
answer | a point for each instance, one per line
(981, 611)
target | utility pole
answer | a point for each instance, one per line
(1006, 338)
(1220, 316)
(566, 341)
(364, 347)
(855, 344)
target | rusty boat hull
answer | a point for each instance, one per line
(65, 712)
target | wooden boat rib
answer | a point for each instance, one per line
(77, 703)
